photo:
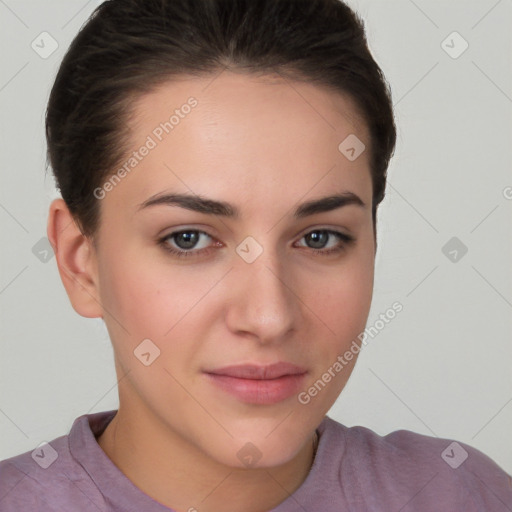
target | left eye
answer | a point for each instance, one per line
(186, 241)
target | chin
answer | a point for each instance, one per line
(258, 454)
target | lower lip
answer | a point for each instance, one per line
(261, 392)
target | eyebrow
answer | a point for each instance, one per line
(213, 207)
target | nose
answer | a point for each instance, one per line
(262, 298)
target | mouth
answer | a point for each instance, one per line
(261, 385)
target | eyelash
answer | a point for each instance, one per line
(344, 238)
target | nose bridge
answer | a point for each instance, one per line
(263, 293)
(262, 268)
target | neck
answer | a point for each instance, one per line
(170, 470)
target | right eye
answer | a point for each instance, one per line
(187, 239)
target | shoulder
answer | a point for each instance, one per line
(45, 478)
(406, 467)
(25, 478)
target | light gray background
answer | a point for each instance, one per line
(442, 367)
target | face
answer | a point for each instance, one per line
(264, 286)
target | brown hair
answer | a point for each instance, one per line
(129, 47)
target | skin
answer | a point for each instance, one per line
(263, 144)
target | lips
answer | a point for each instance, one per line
(256, 372)
(259, 385)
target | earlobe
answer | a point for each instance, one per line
(76, 260)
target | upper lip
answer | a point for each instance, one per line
(257, 372)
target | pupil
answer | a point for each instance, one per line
(316, 236)
(190, 239)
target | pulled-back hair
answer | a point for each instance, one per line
(130, 47)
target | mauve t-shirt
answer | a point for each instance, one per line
(354, 470)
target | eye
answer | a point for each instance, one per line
(319, 237)
(186, 241)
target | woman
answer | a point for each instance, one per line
(221, 164)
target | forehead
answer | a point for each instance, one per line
(253, 135)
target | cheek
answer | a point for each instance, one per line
(130, 298)
(342, 297)
(341, 305)
(152, 298)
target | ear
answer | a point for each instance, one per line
(76, 260)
